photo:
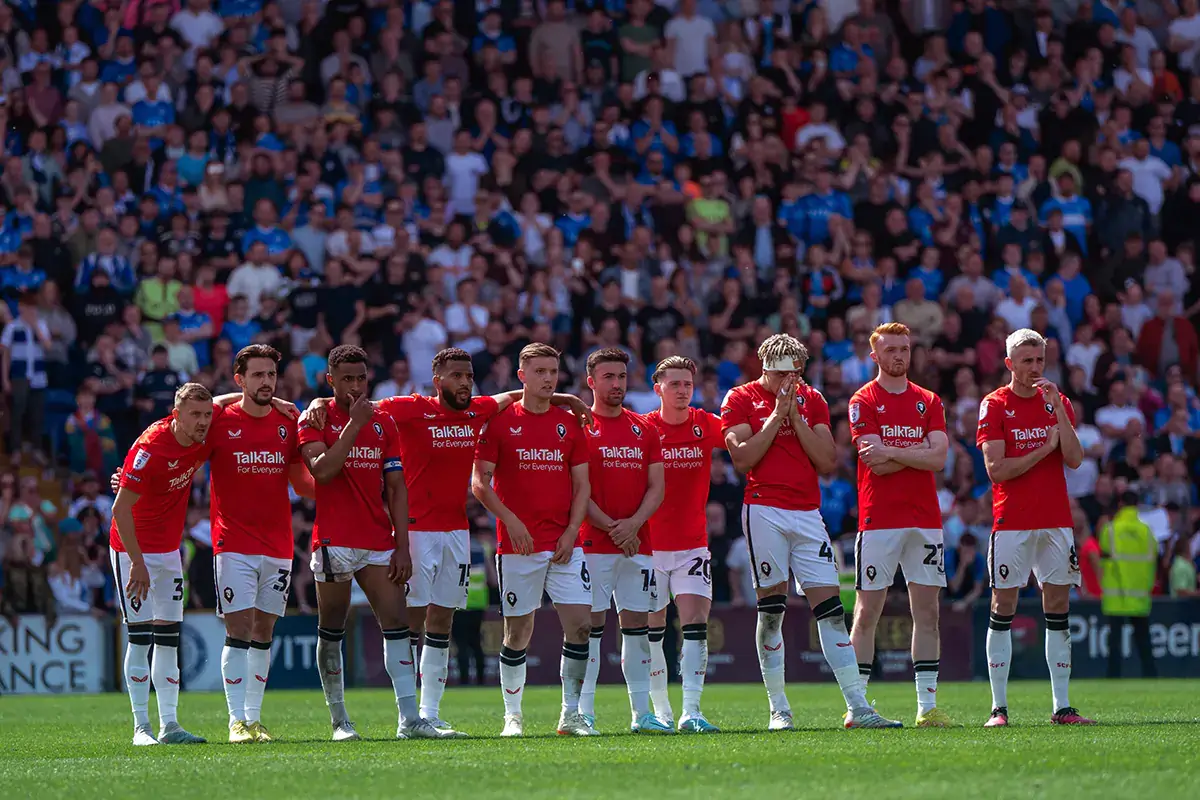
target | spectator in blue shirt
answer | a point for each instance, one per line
(824, 209)
(929, 272)
(1075, 286)
(844, 60)
(107, 259)
(121, 68)
(265, 230)
(491, 33)
(196, 326)
(837, 499)
(240, 329)
(652, 133)
(576, 220)
(22, 278)
(1076, 210)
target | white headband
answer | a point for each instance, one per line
(781, 364)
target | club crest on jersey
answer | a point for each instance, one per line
(921, 407)
(1049, 409)
(561, 430)
(1004, 572)
(855, 413)
(282, 431)
(228, 594)
(765, 569)
(471, 414)
(378, 429)
(697, 431)
(135, 604)
(871, 573)
(800, 400)
(511, 598)
(637, 431)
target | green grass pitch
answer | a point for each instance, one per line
(1148, 747)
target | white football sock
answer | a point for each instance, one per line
(435, 671)
(693, 665)
(235, 658)
(587, 697)
(769, 636)
(137, 671)
(329, 666)
(839, 651)
(658, 675)
(257, 667)
(512, 678)
(635, 665)
(398, 659)
(1058, 658)
(572, 669)
(164, 671)
(926, 677)
(999, 656)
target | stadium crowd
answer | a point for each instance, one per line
(181, 179)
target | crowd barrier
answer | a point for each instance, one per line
(83, 654)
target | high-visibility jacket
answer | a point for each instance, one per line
(1128, 565)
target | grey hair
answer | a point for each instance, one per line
(1022, 337)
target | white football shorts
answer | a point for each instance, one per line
(682, 572)
(259, 582)
(441, 563)
(165, 600)
(1049, 553)
(779, 540)
(920, 552)
(338, 564)
(629, 580)
(524, 579)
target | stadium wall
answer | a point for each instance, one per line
(81, 654)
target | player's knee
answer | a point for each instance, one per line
(578, 633)
(1004, 603)
(264, 627)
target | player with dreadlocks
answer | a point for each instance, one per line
(777, 432)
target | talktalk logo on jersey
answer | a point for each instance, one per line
(259, 462)
(541, 459)
(683, 457)
(452, 435)
(1029, 438)
(181, 481)
(910, 432)
(632, 453)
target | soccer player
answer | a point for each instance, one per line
(531, 472)
(255, 454)
(1027, 434)
(149, 515)
(679, 538)
(777, 432)
(361, 531)
(627, 488)
(438, 436)
(899, 429)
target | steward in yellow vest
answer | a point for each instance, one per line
(1129, 555)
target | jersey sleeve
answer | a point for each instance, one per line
(485, 407)
(306, 434)
(580, 450)
(400, 409)
(937, 413)
(820, 409)
(734, 411)
(714, 435)
(863, 419)
(991, 423)
(391, 447)
(139, 470)
(488, 448)
(1070, 412)
(654, 454)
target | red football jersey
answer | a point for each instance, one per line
(251, 456)
(1038, 499)
(622, 449)
(437, 444)
(908, 498)
(160, 470)
(785, 477)
(679, 523)
(351, 508)
(533, 454)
